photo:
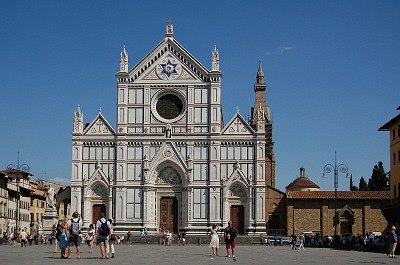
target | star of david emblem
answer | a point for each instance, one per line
(168, 69)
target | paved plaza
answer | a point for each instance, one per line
(193, 254)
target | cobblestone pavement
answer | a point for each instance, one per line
(193, 254)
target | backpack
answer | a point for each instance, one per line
(74, 229)
(104, 229)
(58, 233)
(231, 234)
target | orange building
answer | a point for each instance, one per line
(392, 212)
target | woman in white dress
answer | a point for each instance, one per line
(214, 244)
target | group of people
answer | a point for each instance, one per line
(229, 238)
(68, 234)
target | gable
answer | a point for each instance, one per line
(169, 61)
(237, 126)
(167, 152)
(99, 126)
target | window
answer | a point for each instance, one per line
(135, 171)
(200, 203)
(394, 134)
(394, 158)
(200, 95)
(135, 96)
(200, 115)
(200, 153)
(135, 115)
(134, 203)
(200, 172)
(135, 153)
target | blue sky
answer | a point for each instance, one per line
(332, 69)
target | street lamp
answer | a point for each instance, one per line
(342, 168)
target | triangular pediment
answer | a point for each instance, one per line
(168, 61)
(238, 176)
(238, 126)
(167, 152)
(99, 126)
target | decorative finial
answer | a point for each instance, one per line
(260, 74)
(99, 110)
(215, 60)
(169, 29)
(123, 61)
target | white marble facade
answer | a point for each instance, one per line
(170, 142)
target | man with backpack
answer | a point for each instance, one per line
(75, 237)
(103, 227)
(230, 236)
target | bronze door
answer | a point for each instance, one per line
(97, 209)
(169, 214)
(237, 218)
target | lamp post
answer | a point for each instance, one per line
(342, 168)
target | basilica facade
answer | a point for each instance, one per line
(170, 162)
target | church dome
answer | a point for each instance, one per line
(302, 183)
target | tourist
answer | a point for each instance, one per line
(129, 237)
(214, 244)
(23, 238)
(230, 236)
(90, 238)
(63, 241)
(75, 234)
(393, 242)
(293, 239)
(302, 239)
(103, 227)
(112, 241)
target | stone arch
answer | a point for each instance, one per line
(171, 167)
(99, 189)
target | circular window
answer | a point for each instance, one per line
(168, 106)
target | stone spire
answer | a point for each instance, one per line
(260, 75)
(260, 100)
(215, 60)
(169, 30)
(78, 121)
(123, 61)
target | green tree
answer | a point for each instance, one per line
(352, 186)
(379, 179)
(363, 185)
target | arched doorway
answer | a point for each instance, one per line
(96, 210)
(169, 193)
(238, 207)
(169, 214)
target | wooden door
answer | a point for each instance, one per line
(237, 218)
(97, 209)
(169, 214)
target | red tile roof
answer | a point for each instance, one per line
(344, 195)
(301, 183)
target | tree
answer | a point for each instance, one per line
(352, 187)
(379, 179)
(363, 184)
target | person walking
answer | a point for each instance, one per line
(230, 236)
(112, 241)
(129, 237)
(63, 241)
(302, 239)
(24, 237)
(393, 242)
(75, 234)
(90, 238)
(214, 243)
(103, 227)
